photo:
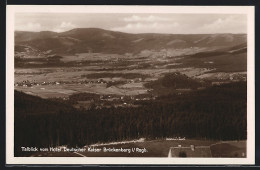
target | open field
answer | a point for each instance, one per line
(62, 82)
(65, 90)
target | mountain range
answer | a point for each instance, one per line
(82, 40)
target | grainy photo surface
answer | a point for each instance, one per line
(130, 84)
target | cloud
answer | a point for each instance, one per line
(30, 27)
(135, 22)
(151, 18)
(36, 27)
(154, 27)
(229, 24)
(64, 26)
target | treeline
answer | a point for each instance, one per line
(219, 112)
(112, 75)
(50, 62)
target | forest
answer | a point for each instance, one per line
(215, 113)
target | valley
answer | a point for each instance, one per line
(48, 74)
(127, 86)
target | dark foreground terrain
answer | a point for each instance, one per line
(216, 113)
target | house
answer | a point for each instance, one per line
(189, 151)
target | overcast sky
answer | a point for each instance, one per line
(134, 23)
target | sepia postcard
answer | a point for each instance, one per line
(130, 85)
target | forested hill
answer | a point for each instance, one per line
(84, 40)
(218, 112)
(33, 105)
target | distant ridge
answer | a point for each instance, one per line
(81, 40)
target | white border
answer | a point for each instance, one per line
(12, 9)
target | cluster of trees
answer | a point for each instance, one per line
(172, 81)
(218, 112)
(74, 98)
(114, 83)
